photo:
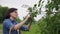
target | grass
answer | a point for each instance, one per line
(0, 26)
(33, 30)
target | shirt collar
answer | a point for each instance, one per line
(11, 20)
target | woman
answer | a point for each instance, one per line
(10, 26)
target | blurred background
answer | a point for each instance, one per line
(45, 14)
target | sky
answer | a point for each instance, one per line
(22, 11)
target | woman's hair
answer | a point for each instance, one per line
(7, 15)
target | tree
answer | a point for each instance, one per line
(18, 20)
(50, 24)
(3, 10)
(33, 13)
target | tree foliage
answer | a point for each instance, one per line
(3, 10)
(18, 20)
(50, 24)
(33, 13)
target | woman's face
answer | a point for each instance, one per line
(14, 14)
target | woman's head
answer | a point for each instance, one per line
(12, 12)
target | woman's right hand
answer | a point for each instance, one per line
(17, 26)
(28, 16)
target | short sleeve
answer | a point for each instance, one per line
(24, 28)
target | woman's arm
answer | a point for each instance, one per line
(17, 26)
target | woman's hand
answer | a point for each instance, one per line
(17, 26)
(28, 16)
